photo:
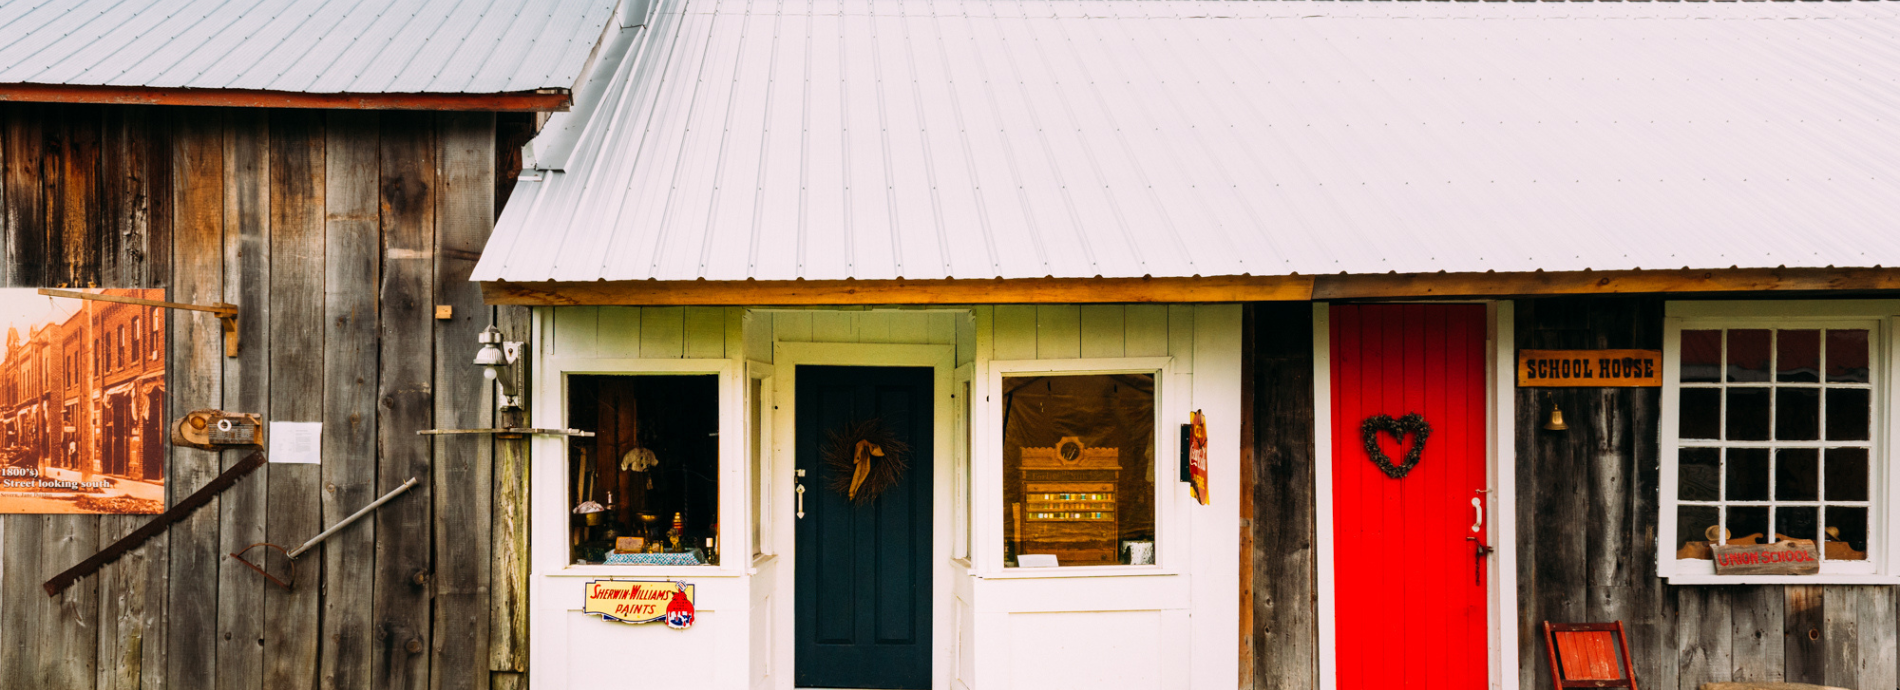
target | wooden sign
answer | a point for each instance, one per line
(1589, 368)
(633, 601)
(1791, 557)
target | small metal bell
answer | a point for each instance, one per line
(1556, 422)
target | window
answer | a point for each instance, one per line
(135, 339)
(645, 489)
(1078, 469)
(1771, 423)
(158, 338)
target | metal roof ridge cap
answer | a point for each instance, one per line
(564, 137)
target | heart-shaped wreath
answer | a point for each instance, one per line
(1398, 428)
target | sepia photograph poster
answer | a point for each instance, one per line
(82, 404)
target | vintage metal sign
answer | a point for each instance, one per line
(1197, 457)
(1792, 557)
(638, 601)
(1589, 368)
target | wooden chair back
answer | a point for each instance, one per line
(1585, 655)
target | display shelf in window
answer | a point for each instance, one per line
(1078, 463)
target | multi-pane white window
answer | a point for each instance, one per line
(1772, 432)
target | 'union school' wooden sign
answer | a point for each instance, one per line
(1589, 368)
(1791, 557)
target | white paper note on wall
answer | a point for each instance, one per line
(300, 442)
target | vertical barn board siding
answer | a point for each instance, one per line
(73, 217)
(1285, 644)
(1840, 637)
(1758, 647)
(25, 217)
(1704, 637)
(1806, 626)
(242, 508)
(1877, 643)
(352, 260)
(463, 483)
(20, 585)
(296, 384)
(508, 598)
(405, 370)
(196, 382)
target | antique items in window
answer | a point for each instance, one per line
(1079, 469)
(645, 489)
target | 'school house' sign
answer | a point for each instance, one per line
(1589, 368)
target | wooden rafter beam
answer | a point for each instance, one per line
(1214, 289)
(521, 101)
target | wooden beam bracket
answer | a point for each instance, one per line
(227, 313)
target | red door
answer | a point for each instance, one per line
(1409, 596)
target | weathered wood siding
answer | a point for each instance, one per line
(337, 234)
(1282, 638)
(1586, 526)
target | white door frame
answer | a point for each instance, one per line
(787, 357)
(1500, 509)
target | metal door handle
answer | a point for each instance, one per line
(801, 501)
(1477, 506)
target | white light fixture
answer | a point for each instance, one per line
(497, 357)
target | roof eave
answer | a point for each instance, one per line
(539, 100)
(1189, 289)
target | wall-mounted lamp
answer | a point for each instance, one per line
(1556, 422)
(497, 358)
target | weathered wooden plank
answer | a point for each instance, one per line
(352, 260)
(247, 271)
(25, 202)
(295, 356)
(1877, 642)
(1058, 331)
(1840, 636)
(405, 371)
(1758, 648)
(20, 653)
(464, 487)
(197, 368)
(1803, 614)
(508, 600)
(1704, 637)
(1285, 644)
(1103, 331)
(74, 218)
(663, 332)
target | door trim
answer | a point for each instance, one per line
(941, 359)
(1500, 511)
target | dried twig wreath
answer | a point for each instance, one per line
(1410, 423)
(864, 459)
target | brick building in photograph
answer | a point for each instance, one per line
(86, 392)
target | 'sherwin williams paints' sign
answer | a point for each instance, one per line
(1590, 368)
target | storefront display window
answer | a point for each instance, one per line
(1078, 469)
(1775, 439)
(645, 489)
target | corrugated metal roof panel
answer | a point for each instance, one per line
(874, 139)
(322, 46)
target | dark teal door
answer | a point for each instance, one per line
(863, 598)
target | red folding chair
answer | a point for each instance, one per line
(1583, 655)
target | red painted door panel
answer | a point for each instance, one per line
(1409, 601)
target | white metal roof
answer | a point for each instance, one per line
(308, 46)
(877, 139)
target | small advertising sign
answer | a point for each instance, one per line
(1589, 368)
(1791, 557)
(1197, 457)
(640, 601)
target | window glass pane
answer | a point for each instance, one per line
(1078, 468)
(1700, 413)
(1797, 522)
(1694, 525)
(1747, 525)
(1747, 356)
(1847, 474)
(653, 462)
(1747, 414)
(1846, 534)
(1798, 356)
(755, 414)
(1797, 414)
(1797, 474)
(1699, 474)
(1701, 356)
(1747, 474)
(1847, 356)
(1847, 414)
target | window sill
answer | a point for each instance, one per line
(1824, 579)
(648, 571)
(1079, 571)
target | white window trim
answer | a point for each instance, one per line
(549, 527)
(1170, 551)
(1884, 483)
